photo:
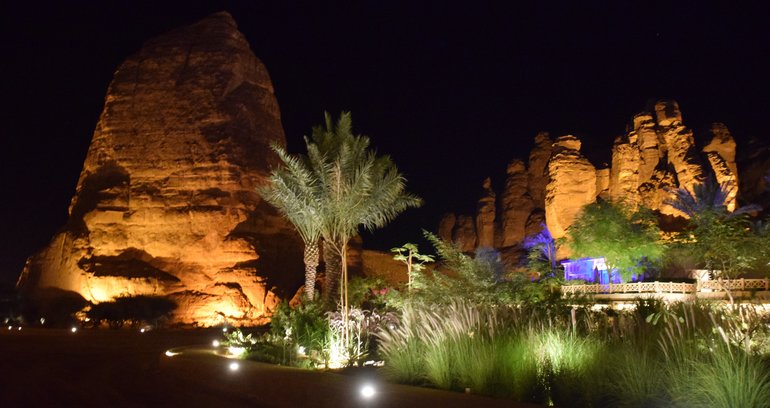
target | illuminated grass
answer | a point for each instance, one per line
(690, 359)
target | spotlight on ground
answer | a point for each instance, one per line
(234, 366)
(215, 343)
(74, 329)
(367, 391)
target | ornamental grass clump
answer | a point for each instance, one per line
(708, 364)
(684, 355)
(458, 347)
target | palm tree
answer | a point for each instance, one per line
(293, 190)
(706, 197)
(723, 240)
(359, 189)
(340, 186)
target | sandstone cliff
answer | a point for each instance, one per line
(655, 155)
(166, 202)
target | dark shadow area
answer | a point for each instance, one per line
(131, 263)
(279, 248)
(52, 307)
(108, 184)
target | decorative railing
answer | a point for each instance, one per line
(735, 284)
(668, 287)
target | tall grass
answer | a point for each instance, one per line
(691, 357)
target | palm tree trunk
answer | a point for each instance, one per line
(333, 271)
(344, 298)
(311, 265)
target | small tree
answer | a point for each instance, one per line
(626, 238)
(541, 252)
(293, 190)
(414, 260)
(726, 243)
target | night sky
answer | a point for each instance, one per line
(451, 90)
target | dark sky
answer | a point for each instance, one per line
(452, 90)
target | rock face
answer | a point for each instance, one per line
(720, 153)
(655, 156)
(538, 164)
(464, 233)
(166, 202)
(572, 185)
(485, 216)
(516, 205)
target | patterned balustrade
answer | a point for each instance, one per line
(668, 287)
(736, 284)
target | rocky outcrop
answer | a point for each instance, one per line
(446, 225)
(516, 205)
(624, 173)
(166, 202)
(464, 233)
(572, 184)
(537, 166)
(655, 156)
(720, 153)
(680, 145)
(485, 216)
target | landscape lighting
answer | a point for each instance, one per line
(367, 391)
(215, 343)
(234, 366)
(74, 329)
(236, 351)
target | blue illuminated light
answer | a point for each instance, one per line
(590, 270)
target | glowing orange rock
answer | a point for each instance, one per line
(166, 201)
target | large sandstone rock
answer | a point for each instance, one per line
(166, 202)
(464, 233)
(603, 183)
(537, 166)
(654, 157)
(446, 225)
(680, 145)
(485, 216)
(572, 185)
(624, 173)
(720, 153)
(516, 205)
(647, 139)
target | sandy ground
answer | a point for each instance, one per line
(125, 368)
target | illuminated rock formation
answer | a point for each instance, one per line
(536, 169)
(446, 226)
(572, 184)
(655, 156)
(166, 202)
(464, 233)
(720, 153)
(680, 145)
(516, 205)
(485, 216)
